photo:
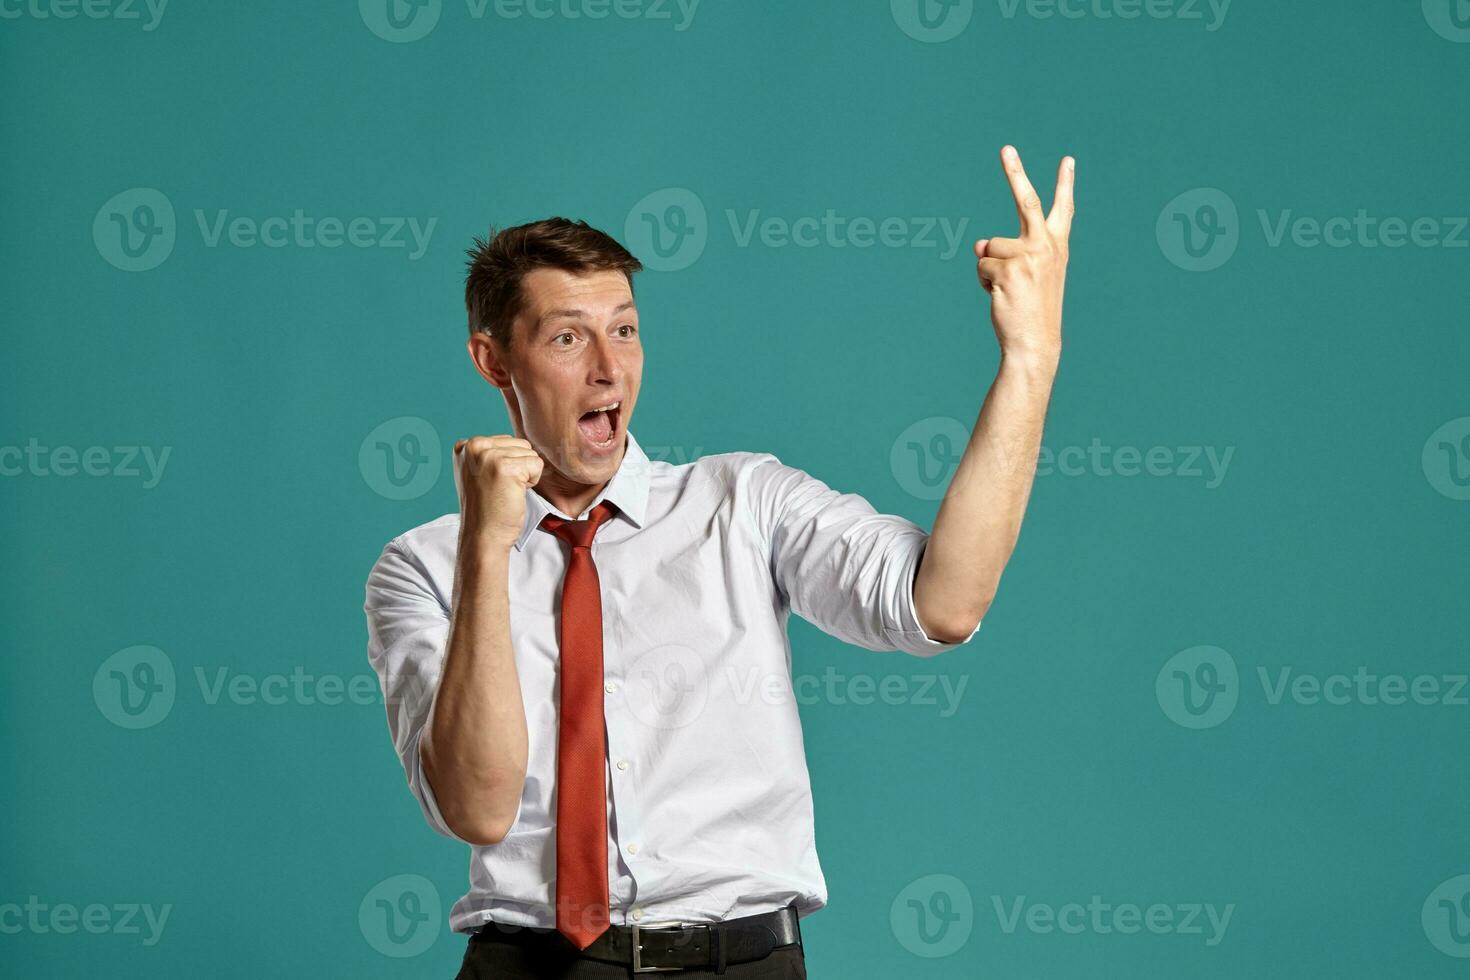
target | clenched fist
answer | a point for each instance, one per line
(492, 474)
(1026, 276)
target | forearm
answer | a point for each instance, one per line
(475, 744)
(979, 520)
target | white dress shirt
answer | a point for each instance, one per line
(709, 800)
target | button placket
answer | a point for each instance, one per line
(621, 742)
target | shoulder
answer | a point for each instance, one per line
(422, 557)
(427, 536)
(763, 487)
(731, 474)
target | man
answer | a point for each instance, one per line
(568, 661)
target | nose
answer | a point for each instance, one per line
(606, 368)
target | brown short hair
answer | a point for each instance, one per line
(497, 263)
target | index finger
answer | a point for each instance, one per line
(1028, 205)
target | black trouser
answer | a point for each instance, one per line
(559, 961)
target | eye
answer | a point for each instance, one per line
(560, 336)
(630, 328)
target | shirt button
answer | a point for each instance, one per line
(632, 848)
(622, 763)
(637, 913)
(610, 687)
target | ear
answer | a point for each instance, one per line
(488, 359)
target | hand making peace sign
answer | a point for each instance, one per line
(1026, 276)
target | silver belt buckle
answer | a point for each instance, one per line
(638, 966)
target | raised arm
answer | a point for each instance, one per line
(475, 747)
(979, 520)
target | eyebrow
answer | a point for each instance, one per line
(574, 314)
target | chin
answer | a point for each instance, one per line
(598, 470)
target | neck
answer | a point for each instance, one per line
(566, 494)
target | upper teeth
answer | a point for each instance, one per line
(606, 408)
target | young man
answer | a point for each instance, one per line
(568, 661)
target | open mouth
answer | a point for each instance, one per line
(600, 427)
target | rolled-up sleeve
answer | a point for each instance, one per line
(844, 567)
(408, 626)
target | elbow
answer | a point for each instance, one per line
(480, 814)
(480, 835)
(953, 614)
(956, 632)
(482, 825)
(951, 626)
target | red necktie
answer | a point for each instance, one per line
(582, 912)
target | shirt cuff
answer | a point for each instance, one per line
(909, 636)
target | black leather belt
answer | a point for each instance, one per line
(692, 945)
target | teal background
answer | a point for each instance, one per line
(1325, 547)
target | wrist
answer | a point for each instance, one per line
(479, 548)
(1033, 363)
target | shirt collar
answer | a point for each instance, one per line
(628, 489)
